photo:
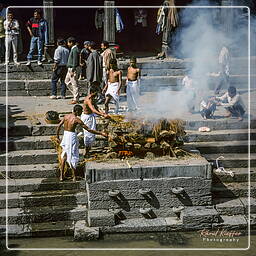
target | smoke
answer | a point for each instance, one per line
(201, 34)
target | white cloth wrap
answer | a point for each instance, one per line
(132, 94)
(113, 91)
(70, 146)
(90, 122)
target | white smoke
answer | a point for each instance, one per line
(199, 38)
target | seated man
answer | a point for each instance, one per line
(69, 143)
(233, 103)
(88, 117)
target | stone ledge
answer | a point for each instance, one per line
(84, 233)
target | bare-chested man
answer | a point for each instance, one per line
(132, 83)
(69, 143)
(88, 117)
(113, 87)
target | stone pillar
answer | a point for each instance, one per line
(227, 15)
(109, 33)
(48, 15)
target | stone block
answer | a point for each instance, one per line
(231, 222)
(174, 224)
(99, 218)
(229, 206)
(137, 226)
(252, 220)
(84, 233)
(244, 201)
(197, 168)
(197, 215)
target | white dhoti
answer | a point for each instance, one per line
(90, 122)
(70, 147)
(132, 92)
(113, 92)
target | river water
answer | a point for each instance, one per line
(150, 241)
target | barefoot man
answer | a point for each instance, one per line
(113, 86)
(132, 82)
(69, 143)
(88, 117)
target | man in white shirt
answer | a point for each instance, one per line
(11, 27)
(233, 103)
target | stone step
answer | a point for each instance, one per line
(234, 206)
(40, 142)
(30, 157)
(40, 87)
(218, 147)
(161, 72)
(25, 128)
(220, 135)
(30, 171)
(43, 214)
(39, 184)
(240, 175)
(43, 198)
(233, 190)
(44, 229)
(232, 160)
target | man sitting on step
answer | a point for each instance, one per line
(233, 103)
(70, 143)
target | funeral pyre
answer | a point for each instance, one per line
(144, 138)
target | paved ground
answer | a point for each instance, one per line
(164, 104)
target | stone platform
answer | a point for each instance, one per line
(145, 188)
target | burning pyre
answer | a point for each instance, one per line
(145, 138)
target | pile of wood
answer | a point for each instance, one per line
(146, 138)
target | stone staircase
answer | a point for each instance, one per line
(35, 80)
(230, 194)
(38, 204)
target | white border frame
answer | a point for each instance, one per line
(139, 249)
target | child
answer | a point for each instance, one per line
(207, 107)
(133, 79)
(113, 86)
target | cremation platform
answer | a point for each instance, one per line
(148, 189)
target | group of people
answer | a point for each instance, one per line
(37, 28)
(100, 70)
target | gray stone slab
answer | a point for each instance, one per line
(138, 225)
(119, 171)
(231, 222)
(197, 184)
(127, 205)
(197, 215)
(229, 206)
(245, 203)
(43, 214)
(174, 224)
(84, 233)
(99, 218)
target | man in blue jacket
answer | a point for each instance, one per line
(38, 30)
